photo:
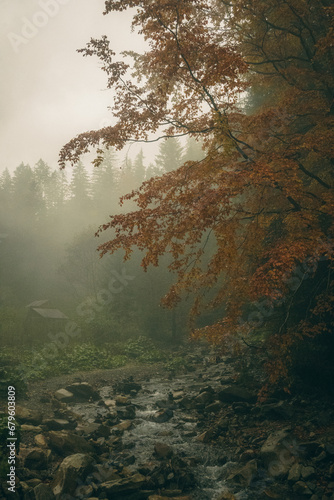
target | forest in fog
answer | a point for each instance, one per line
(49, 249)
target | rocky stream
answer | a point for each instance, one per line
(198, 436)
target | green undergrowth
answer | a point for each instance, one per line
(52, 360)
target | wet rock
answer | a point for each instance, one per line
(122, 400)
(54, 424)
(83, 391)
(206, 436)
(126, 412)
(226, 495)
(94, 430)
(274, 411)
(64, 443)
(310, 449)
(109, 403)
(84, 491)
(235, 393)
(245, 475)
(276, 453)
(127, 386)
(162, 416)
(307, 472)
(41, 441)
(43, 492)
(26, 416)
(31, 428)
(331, 471)
(36, 459)
(123, 486)
(301, 488)
(163, 450)
(64, 396)
(204, 398)
(295, 473)
(72, 469)
(125, 425)
(186, 403)
(178, 394)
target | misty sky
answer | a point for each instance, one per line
(49, 92)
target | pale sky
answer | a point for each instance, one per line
(49, 92)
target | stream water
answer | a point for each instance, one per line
(207, 462)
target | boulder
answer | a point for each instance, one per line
(163, 450)
(127, 386)
(31, 428)
(64, 396)
(26, 416)
(295, 473)
(214, 407)
(73, 469)
(206, 436)
(64, 443)
(204, 398)
(244, 475)
(57, 424)
(162, 416)
(36, 459)
(301, 488)
(277, 453)
(126, 412)
(122, 400)
(83, 391)
(123, 486)
(41, 441)
(43, 492)
(235, 393)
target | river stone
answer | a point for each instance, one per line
(83, 391)
(31, 428)
(301, 488)
(122, 400)
(235, 393)
(276, 453)
(226, 495)
(244, 475)
(162, 416)
(123, 486)
(57, 424)
(307, 472)
(64, 443)
(204, 398)
(126, 412)
(214, 407)
(64, 396)
(127, 386)
(43, 492)
(36, 459)
(295, 473)
(41, 441)
(125, 425)
(26, 416)
(73, 468)
(206, 436)
(331, 471)
(163, 450)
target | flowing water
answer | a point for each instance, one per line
(208, 463)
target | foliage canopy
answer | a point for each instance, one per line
(263, 191)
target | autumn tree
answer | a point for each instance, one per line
(263, 190)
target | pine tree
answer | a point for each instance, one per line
(170, 155)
